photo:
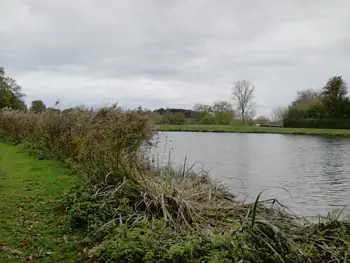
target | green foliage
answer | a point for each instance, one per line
(334, 93)
(5, 98)
(178, 118)
(223, 112)
(318, 123)
(38, 106)
(155, 242)
(10, 93)
(155, 116)
(208, 120)
(328, 109)
(97, 214)
(18, 104)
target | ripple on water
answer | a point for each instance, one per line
(315, 170)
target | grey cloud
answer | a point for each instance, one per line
(160, 53)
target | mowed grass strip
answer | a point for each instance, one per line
(252, 129)
(32, 225)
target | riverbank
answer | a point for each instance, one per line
(124, 209)
(36, 229)
(32, 226)
(249, 129)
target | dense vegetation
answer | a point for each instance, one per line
(130, 210)
(326, 109)
(221, 113)
(10, 93)
(329, 108)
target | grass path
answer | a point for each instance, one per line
(31, 225)
(249, 129)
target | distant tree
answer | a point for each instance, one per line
(250, 114)
(223, 112)
(5, 98)
(167, 118)
(333, 95)
(208, 120)
(10, 84)
(155, 116)
(306, 99)
(278, 114)
(202, 107)
(304, 96)
(10, 93)
(345, 107)
(178, 118)
(160, 111)
(18, 104)
(308, 104)
(242, 95)
(263, 120)
(196, 116)
(37, 106)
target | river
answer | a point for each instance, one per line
(314, 170)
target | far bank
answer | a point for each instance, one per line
(253, 129)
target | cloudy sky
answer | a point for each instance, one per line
(167, 53)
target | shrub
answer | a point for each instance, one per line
(318, 123)
(37, 106)
(101, 142)
(208, 120)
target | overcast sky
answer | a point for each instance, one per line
(160, 53)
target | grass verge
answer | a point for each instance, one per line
(249, 129)
(32, 224)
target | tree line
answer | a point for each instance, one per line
(240, 108)
(221, 112)
(325, 108)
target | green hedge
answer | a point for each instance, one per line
(318, 123)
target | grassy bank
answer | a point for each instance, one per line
(249, 129)
(32, 227)
(124, 209)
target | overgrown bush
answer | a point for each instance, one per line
(101, 142)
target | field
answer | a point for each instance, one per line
(254, 129)
(32, 227)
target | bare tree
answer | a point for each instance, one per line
(263, 119)
(278, 114)
(242, 94)
(202, 107)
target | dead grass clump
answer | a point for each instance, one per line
(182, 198)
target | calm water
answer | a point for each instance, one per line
(315, 170)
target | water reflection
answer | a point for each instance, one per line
(315, 170)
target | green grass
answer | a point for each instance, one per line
(249, 129)
(32, 225)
